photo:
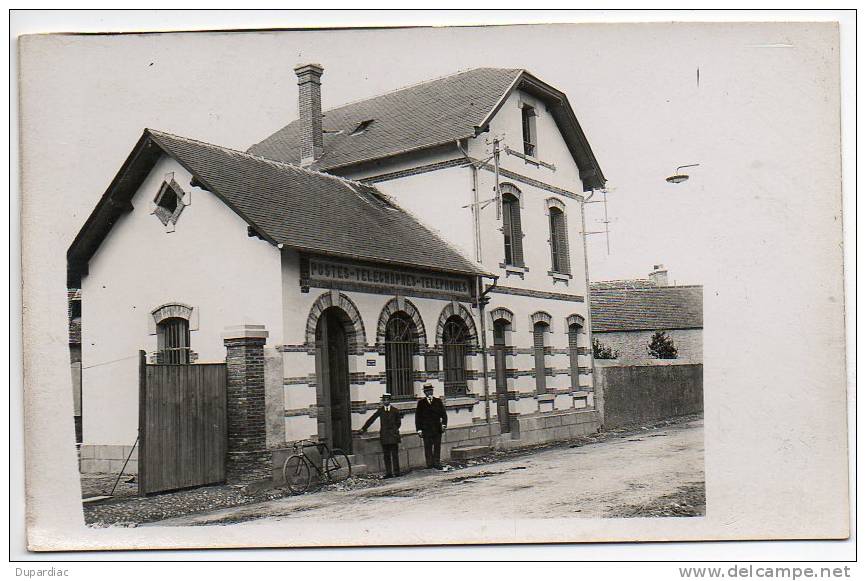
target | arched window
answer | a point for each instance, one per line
(454, 340)
(574, 332)
(511, 231)
(539, 330)
(172, 337)
(401, 345)
(559, 242)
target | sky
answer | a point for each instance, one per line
(739, 99)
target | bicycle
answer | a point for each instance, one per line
(336, 466)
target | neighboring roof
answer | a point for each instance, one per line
(629, 307)
(285, 204)
(429, 114)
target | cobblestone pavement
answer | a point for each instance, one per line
(643, 472)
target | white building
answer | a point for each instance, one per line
(361, 239)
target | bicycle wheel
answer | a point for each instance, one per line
(338, 467)
(296, 471)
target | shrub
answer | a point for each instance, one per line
(661, 346)
(602, 351)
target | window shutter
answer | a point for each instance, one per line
(561, 243)
(573, 334)
(538, 340)
(508, 239)
(516, 232)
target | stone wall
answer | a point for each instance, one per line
(631, 345)
(631, 394)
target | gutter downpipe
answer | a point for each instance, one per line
(482, 301)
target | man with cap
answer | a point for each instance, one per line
(390, 419)
(430, 421)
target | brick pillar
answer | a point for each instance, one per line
(248, 459)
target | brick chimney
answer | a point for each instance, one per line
(310, 111)
(659, 275)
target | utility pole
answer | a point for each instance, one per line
(496, 141)
(606, 220)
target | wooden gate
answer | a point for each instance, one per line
(182, 425)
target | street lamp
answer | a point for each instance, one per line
(680, 177)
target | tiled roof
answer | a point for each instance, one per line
(424, 115)
(313, 211)
(639, 307)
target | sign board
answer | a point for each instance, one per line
(330, 273)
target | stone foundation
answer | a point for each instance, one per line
(526, 431)
(96, 458)
(537, 429)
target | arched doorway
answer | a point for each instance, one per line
(332, 369)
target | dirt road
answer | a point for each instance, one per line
(656, 472)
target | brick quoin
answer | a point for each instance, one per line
(247, 457)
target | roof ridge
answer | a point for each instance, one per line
(619, 280)
(646, 288)
(268, 160)
(413, 85)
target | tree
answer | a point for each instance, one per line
(601, 351)
(661, 346)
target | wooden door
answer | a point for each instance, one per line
(341, 413)
(501, 381)
(333, 371)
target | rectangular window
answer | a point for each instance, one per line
(530, 144)
(455, 369)
(173, 339)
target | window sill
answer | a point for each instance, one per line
(559, 277)
(545, 396)
(405, 403)
(455, 402)
(461, 401)
(511, 270)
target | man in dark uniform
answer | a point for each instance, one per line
(389, 434)
(430, 421)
